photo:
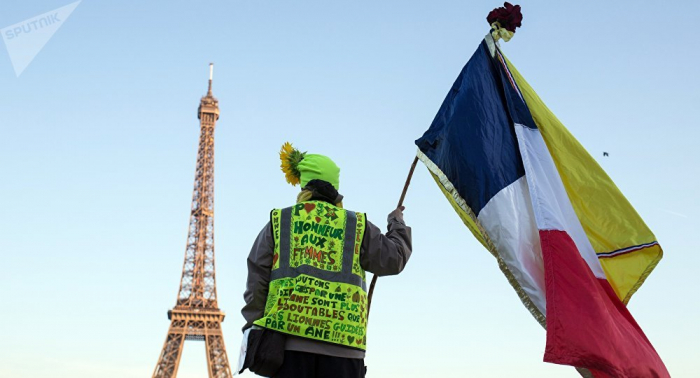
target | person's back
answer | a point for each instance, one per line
(306, 273)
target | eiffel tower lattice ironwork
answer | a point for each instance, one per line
(196, 315)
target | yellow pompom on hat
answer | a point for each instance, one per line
(301, 167)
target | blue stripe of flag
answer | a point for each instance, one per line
(472, 139)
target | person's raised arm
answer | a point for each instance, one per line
(386, 254)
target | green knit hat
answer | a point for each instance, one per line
(300, 167)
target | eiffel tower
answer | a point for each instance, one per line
(196, 315)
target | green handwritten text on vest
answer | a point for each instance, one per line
(311, 295)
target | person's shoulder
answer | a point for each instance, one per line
(359, 215)
(283, 208)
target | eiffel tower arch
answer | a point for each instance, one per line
(196, 315)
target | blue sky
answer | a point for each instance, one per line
(98, 139)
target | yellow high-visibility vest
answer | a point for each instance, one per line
(317, 286)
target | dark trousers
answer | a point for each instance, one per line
(310, 365)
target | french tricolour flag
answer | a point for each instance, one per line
(566, 239)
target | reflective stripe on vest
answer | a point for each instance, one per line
(317, 288)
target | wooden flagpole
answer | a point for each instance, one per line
(403, 195)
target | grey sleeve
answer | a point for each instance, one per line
(386, 255)
(257, 285)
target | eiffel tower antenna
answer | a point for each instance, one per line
(211, 77)
(196, 315)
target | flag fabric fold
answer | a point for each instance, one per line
(569, 243)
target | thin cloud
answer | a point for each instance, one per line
(675, 213)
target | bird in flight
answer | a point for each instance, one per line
(605, 154)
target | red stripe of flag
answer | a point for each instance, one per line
(587, 325)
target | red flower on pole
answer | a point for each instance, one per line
(508, 16)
